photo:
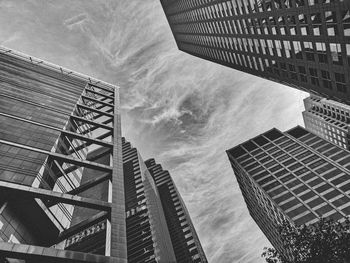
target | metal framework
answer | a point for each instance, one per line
(93, 124)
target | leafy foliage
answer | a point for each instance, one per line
(326, 241)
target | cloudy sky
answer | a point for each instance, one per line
(181, 110)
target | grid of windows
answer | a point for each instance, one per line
(303, 178)
(260, 38)
(328, 119)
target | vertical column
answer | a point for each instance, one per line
(118, 227)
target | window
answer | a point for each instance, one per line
(331, 23)
(302, 74)
(323, 188)
(340, 82)
(336, 53)
(303, 25)
(346, 22)
(297, 49)
(321, 52)
(315, 202)
(309, 50)
(292, 71)
(297, 211)
(287, 48)
(314, 76)
(278, 47)
(316, 23)
(326, 79)
(292, 25)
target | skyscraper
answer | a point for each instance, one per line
(148, 237)
(71, 188)
(328, 119)
(303, 44)
(295, 176)
(186, 244)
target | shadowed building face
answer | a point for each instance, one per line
(303, 44)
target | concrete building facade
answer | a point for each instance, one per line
(295, 176)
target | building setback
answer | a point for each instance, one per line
(328, 119)
(71, 188)
(185, 241)
(295, 176)
(303, 44)
(148, 237)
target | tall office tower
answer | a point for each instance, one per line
(148, 238)
(60, 136)
(64, 196)
(295, 176)
(186, 244)
(328, 119)
(304, 44)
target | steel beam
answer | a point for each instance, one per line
(16, 191)
(81, 226)
(90, 183)
(48, 255)
(98, 93)
(97, 101)
(94, 110)
(64, 158)
(105, 89)
(66, 132)
(100, 125)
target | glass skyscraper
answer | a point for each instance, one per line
(295, 176)
(71, 188)
(304, 44)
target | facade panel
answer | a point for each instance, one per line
(328, 119)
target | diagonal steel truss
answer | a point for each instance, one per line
(94, 123)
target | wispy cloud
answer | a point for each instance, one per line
(75, 20)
